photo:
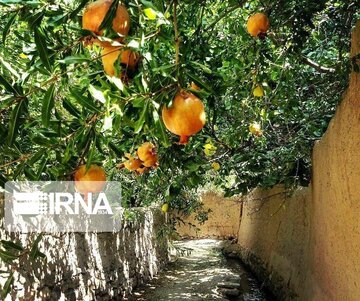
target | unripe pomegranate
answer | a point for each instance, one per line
(255, 129)
(185, 117)
(258, 24)
(95, 13)
(165, 207)
(258, 91)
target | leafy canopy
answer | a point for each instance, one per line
(58, 109)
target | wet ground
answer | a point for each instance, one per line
(201, 272)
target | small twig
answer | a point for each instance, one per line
(55, 78)
(22, 158)
(316, 66)
(304, 59)
(224, 14)
(154, 34)
(221, 156)
(177, 36)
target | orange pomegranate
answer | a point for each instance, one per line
(142, 170)
(133, 163)
(185, 117)
(147, 154)
(111, 54)
(92, 180)
(258, 24)
(151, 162)
(95, 13)
(194, 86)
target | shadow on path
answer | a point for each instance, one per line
(200, 272)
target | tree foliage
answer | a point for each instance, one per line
(58, 109)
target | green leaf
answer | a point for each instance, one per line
(41, 167)
(200, 82)
(30, 174)
(150, 13)
(91, 154)
(7, 256)
(115, 149)
(204, 68)
(74, 13)
(39, 254)
(148, 4)
(68, 106)
(192, 166)
(32, 3)
(163, 68)
(7, 26)
(8, 244)
(107, 22)
(84, 101)
(41, 140)
(99, 144)
(47, 105)
(15, 121)
(68, 152)
(35, 252)
(8, 87)
(7, 286)
(19, 169)
(140, 122)
(35, 19)
(3, 180)
(160, 129)
(36, 157)
(41, 48)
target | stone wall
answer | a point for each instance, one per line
(335, 260)
(274, 239)
(224, 218)
(306, 246)
(91, 266)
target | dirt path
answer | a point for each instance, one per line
(202, 273)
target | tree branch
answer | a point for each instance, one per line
(177, 38)
(224, 14)
(302, 58)
(22, 158)
(316, 66)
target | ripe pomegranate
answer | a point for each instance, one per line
(133, 163)
(147, 154)
(194, 86)
(95, 13)
(111, 54)
(185, 117)
(92, 180)
(142, 170)
(258, 24)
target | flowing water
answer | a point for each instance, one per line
(200, 272)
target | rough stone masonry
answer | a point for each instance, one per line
(88, 266)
